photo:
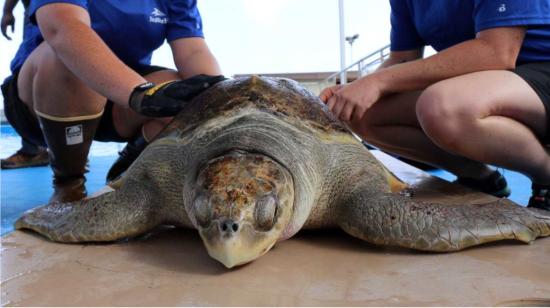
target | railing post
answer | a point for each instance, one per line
(343, 77)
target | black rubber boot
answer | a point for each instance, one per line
(540, 197)
(69, 141)
(495, 184)
(126, 157)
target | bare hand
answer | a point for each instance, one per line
(329, 92)
(7, 20)
(350, 102)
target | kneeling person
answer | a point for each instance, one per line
(86, 78)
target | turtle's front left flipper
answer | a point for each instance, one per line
(107, 217)
(392, 219)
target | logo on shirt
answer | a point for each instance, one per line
(502, 8)
(158, 17)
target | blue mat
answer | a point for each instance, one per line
(23, 189)
(519, 184)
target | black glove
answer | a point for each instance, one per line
(167, 99)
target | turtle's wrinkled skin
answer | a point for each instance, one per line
(251, 162)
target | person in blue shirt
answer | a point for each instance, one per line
(30, 155)
(87, 74)
(484, 98)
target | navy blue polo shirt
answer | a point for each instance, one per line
(132, 29)
(444, 23)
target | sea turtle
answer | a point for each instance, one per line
(250, 162)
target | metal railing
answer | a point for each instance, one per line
(363, 66)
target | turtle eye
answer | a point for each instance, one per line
(201, 206)
(265, 212)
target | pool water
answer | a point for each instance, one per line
(23, 189)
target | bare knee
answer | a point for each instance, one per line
(48, 67)
(444, 116)
(152, 128)
(46, 84)
(128, 123)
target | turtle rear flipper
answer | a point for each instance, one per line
(392, 219)
(107, 217)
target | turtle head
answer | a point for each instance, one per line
(242, 205)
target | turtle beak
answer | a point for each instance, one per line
(235, 245)
(230, 254)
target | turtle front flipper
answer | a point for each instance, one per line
(107, 217)
(392, 219)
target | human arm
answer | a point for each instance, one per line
(398, 57)
(195, 64)
(7, 17)
(66, 28)
(492, 49)
(192, 57)
(395, 57)
(194, 61)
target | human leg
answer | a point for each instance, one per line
(492, 116)
(497, 117)
(391, 124)
(537, 75)
(28, 147)
(68, 112)
(31, 154)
